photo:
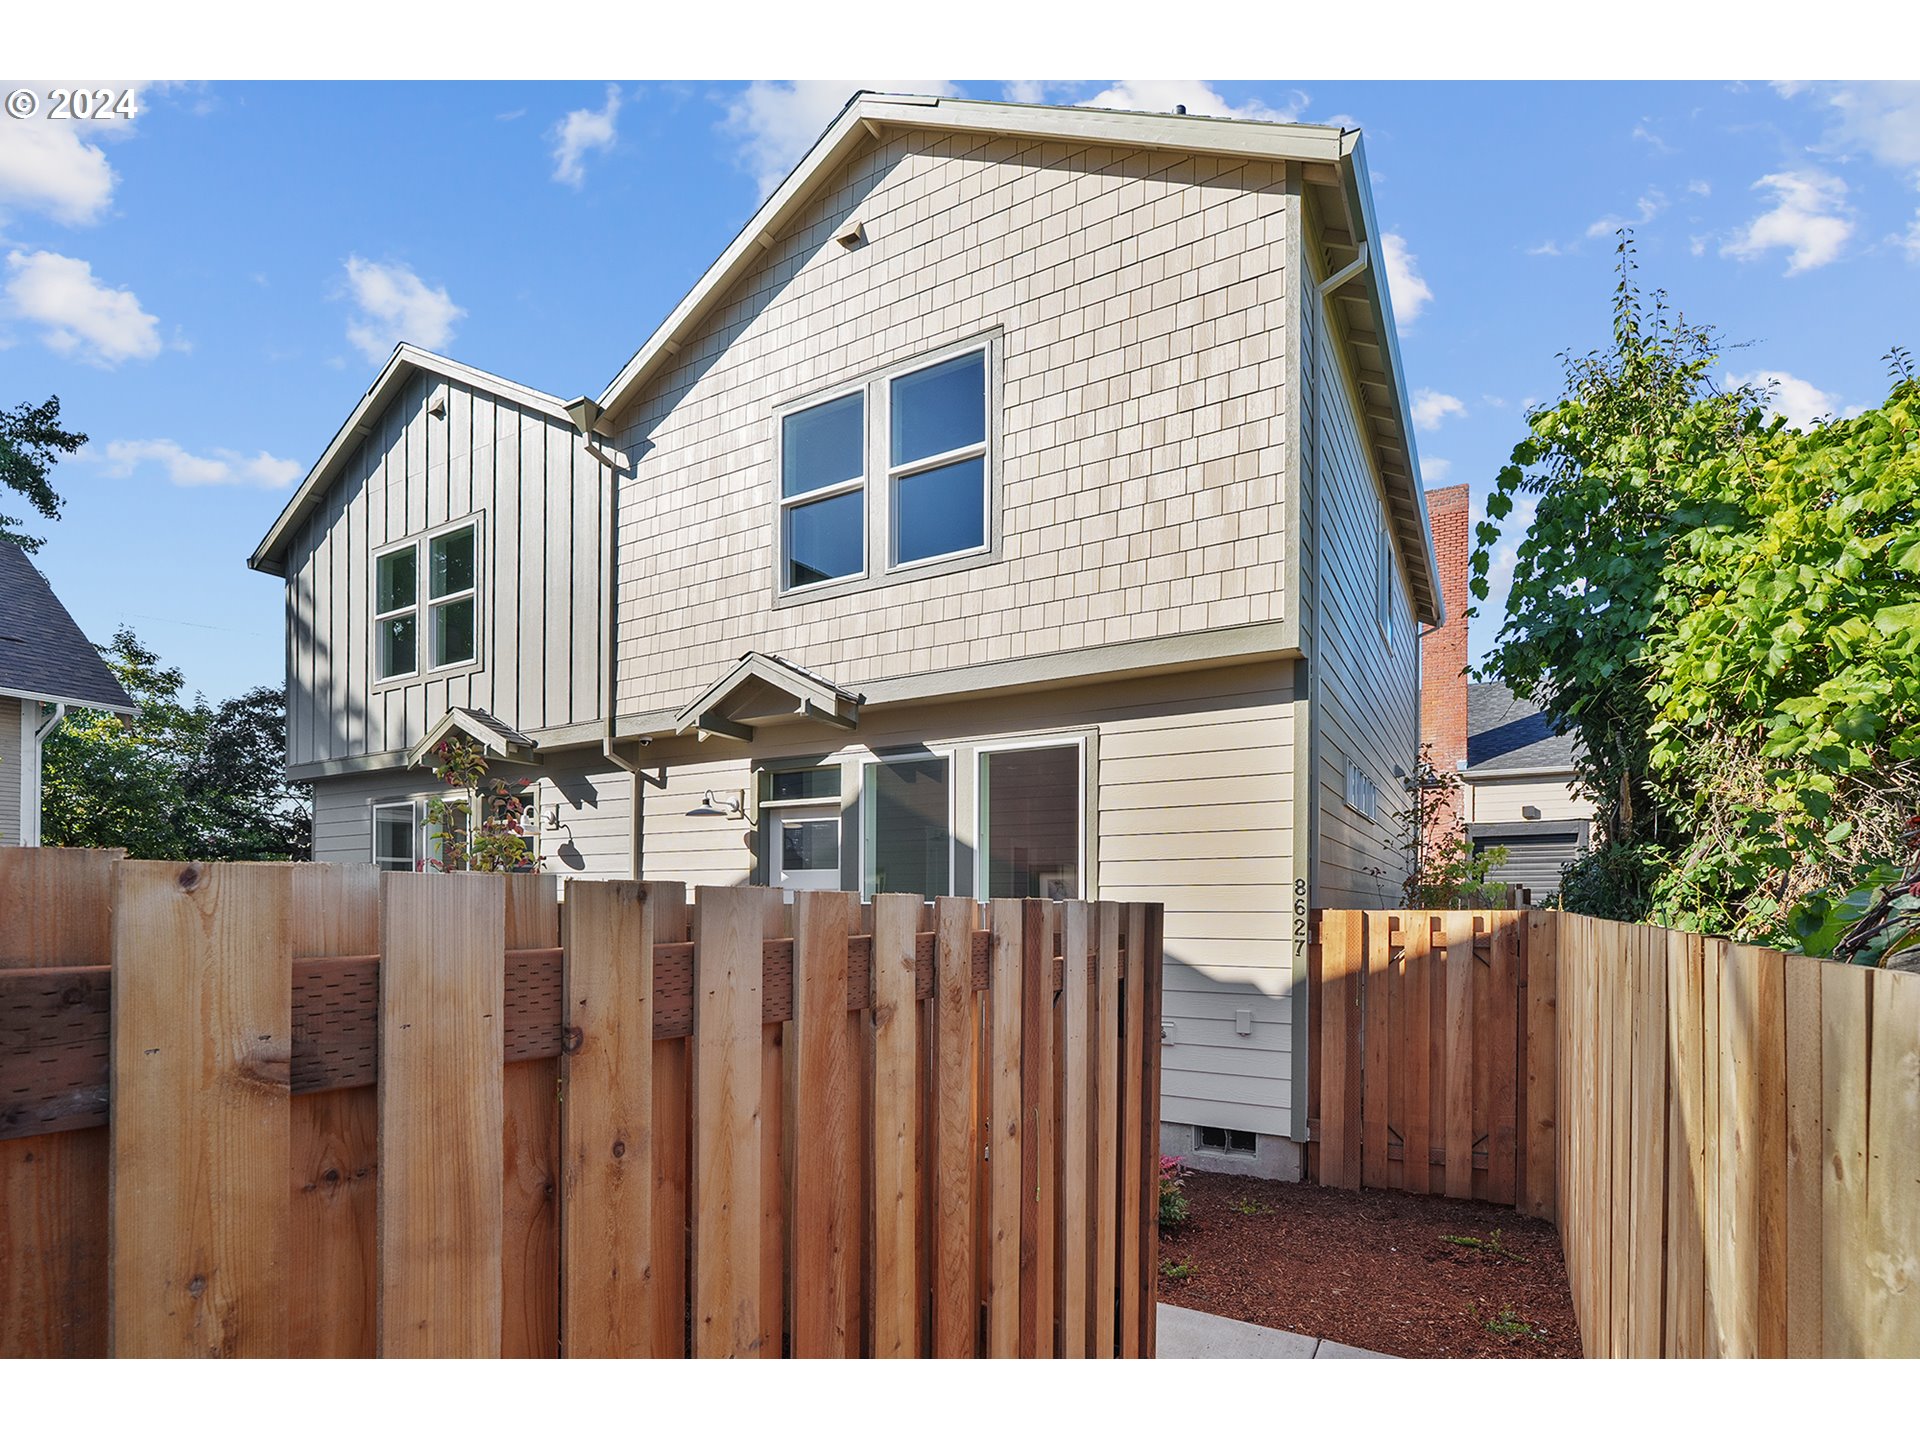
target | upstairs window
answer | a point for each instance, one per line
(450, 632)
(893, 474)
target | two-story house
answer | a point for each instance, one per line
(1023, 504)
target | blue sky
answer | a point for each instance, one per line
(210, 287)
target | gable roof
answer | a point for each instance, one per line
(493, 734)
(1506, 733)
(43, 653)
(759, 685)
(1333, 164)
(405, 362)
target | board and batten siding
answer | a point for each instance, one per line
(1136, 300)
(1191, 803)
(1366, 693)
(538, 496)
(12, 769)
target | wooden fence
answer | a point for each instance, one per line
(1727, 1137)
(318, 1111)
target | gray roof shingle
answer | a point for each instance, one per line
(1506, 733)
(42, 652)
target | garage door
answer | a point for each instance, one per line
(1534, 859)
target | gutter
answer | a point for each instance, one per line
(586, 414)
(31, 835)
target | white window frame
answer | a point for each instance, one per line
(422, 823)
(879, 529)
(423, 605)
(790, 503)
(948, 753)
(417, 828)
(380, 617)
(430, 602)
(1362, 796)
(984, 748)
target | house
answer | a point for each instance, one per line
(1023, 504)
(1519, 791)
(1517, 788)
(46, 666)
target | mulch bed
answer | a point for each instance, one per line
(1372, 1268)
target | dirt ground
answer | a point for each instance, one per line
(1372, 1268)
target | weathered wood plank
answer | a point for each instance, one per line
(202, 1039)
(672, 1147)
(1646, 1278)
(1138, 1210)
(1845, 1032)
(1106, 1125)
(1342, 944)
(1891, 1258)
(334, 1220)
(956, 1118)
(1505, 1073)
(530, 1136)
(607, 1308)
(726, 1129)
(55, 910)
(1008, 1131)
(896, 1109)
(1038, 1155)
(1458, 1074)
(1377, 1060)
(1804, 1145)
(1538, 1181)
(442, 1115)
(1077, 1116)
(1416, 1058)
(826, 1186)
(1151, 927)
(1686, 1154)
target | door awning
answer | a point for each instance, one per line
(761, 689)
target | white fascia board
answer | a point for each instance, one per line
(70, 702)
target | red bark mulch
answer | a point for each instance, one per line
(1372, 1268)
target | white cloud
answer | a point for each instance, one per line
(1199, 97)
(1799, 400)
(1645, 208)
(1808, 220)
(222, 467)
(1546, 247)
(1699, 187)
(1430, 407)
(583, 130)
(1410, 292)
(1878, 118)
(79, 316)
(48, 169)
(395, 304)
(1434, 471)
(777, 121)
(1641, 132)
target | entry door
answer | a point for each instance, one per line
(806, 848)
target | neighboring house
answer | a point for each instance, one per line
(1519, 791)
(1023, 504)
(46, 665)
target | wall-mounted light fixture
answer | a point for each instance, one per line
(731, 807)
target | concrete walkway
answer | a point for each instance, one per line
(1196, 1335)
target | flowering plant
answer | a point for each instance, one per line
(1173, 1193)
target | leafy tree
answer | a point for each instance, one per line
(177, 781)
(1787, 664)
(30, 439)
(1608, 465)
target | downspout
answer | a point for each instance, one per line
(585, 414)
(30, 824)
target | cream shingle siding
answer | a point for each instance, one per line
(1366, 698)
(1137, 298)
(11, 777)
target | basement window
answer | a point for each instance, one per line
(1222, 1141)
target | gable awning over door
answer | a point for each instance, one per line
(761, 689)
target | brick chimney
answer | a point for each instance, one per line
(1443, 654)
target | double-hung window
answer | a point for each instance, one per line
(450, 561)
(892, 474)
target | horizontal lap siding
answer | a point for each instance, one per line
(1367, 695)
(10, 770)
(1139, 297)
(1193, 809)
(538, 496)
